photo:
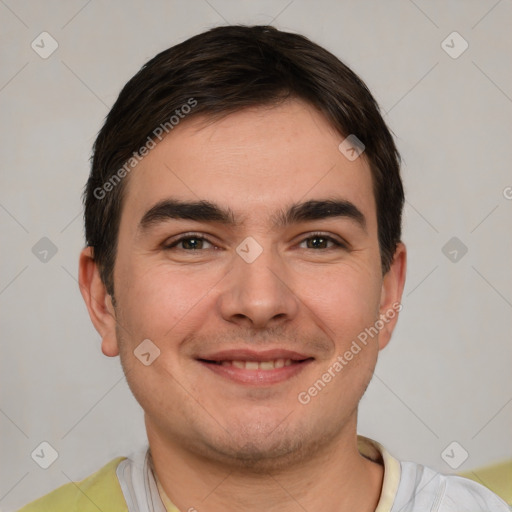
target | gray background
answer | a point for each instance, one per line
(445, 375)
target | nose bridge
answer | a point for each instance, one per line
(258, 290)
(261, 267)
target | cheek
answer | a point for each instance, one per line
(159, 299)
(345, 299)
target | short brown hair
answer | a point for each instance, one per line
(224, 70)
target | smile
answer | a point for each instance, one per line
(256, 373)
(257, 365)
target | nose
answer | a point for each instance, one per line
(259, 294)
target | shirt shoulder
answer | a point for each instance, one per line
(99, 491)
(422, 488)
(497, 477)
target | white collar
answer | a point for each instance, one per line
(138, 483)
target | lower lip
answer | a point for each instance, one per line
(257, 377)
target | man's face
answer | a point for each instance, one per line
(283, 315)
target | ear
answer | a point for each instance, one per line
(391, 294)
(98, 302)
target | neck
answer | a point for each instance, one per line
(336, 479)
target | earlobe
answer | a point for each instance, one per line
(391, 294)
(98, 302)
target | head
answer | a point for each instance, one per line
(246, 124)
(220, 72)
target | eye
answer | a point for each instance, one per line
(195, 242)
(189, 243)
(320, 241)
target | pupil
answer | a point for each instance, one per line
(315, 239)
(192, 243)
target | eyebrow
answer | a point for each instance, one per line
(206, 211)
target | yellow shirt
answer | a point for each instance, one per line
(131, 485)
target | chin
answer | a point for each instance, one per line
(260, 456)
(260, 448)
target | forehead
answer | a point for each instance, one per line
(254, 161)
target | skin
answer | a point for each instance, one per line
(218, 445)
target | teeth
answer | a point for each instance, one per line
(264, 365)
(258, 365)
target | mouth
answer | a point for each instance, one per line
(256, 368)
(256, 365)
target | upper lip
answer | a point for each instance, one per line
(253, 355)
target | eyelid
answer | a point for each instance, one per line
(168, 244)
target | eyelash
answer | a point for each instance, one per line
(196, 236)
